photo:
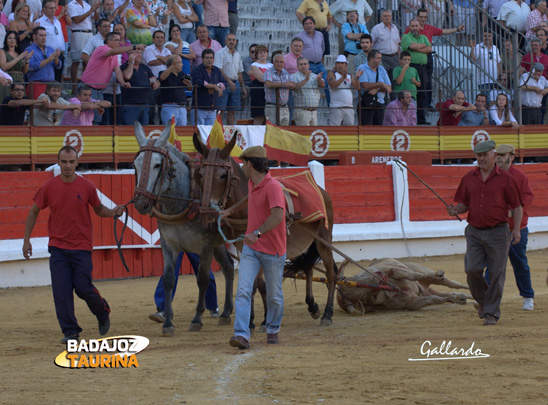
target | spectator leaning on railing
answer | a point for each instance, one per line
(533, 87)
(341, 111)
(501, 114)
(84, 116)
(172, 95)
(135, 97)
(14, 107)
(51, 112)
(277, 78)
(210, 85)
(478, 117)
(401, 112)
(452, 110)
(306, 93)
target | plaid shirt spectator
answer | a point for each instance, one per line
(533, 20)
(270, 93)
(307, 96)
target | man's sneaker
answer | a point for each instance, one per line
(104, 326)
(70, 336)
(272, 338)
(489, 320)
(214, 313)
(159, 317)
(239, 341)
(527, 304)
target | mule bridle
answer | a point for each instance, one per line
(208, 166)
(166, 167)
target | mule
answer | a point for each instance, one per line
(221, 178)
(164, 189)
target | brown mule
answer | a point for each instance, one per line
(217, 171)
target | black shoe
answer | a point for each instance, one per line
(69, 336)
(104, 326)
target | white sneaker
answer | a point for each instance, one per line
(527, 304)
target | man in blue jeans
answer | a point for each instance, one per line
(517, 253)
(210, 295)
(264, 246)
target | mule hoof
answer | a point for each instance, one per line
(261, 329)
(168, 332)
(326, 322)
(195, 327)
(315, 315)
(224, 320)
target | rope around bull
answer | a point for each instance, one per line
(119, 241)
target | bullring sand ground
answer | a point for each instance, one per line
(356, 360)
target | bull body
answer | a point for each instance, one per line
(413, 281)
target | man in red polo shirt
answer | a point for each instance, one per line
(452, 109)
(264, 245)
(487, 193)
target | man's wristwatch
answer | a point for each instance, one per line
(257, 233)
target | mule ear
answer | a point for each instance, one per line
(201, 148)
(225, 153)
(162, 139)
(140, 134)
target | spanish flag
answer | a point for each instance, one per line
(173, 137)
(286, 146)
(217, 139)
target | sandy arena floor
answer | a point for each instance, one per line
(356, 360)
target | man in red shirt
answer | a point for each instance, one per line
(452, 109)
(70, 242)
(518, 257)
(264, 245)
(487, 193)
(430, 31)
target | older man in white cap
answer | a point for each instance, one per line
(517, 253)
(264, 246)
(486, 193)
(341, 111)
(533, 87)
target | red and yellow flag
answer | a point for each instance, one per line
(217, 139)
(286, 146)
(173, 137)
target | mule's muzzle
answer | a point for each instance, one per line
(143, 204)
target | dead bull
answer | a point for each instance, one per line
(413, 280)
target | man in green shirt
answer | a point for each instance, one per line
(406, 77)
(419, 47)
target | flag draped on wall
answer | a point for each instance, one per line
(286, 146)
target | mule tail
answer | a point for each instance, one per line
(302, 263)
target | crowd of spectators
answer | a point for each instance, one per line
(156, 60)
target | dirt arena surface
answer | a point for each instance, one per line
(356, 360)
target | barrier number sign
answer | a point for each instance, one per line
(479, 136)
(74, 138)
(320, 142)
(400, 141)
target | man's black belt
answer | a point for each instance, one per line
(86, 31)
(491, 227)
(386, 54)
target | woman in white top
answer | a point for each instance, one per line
(257, 96)
(500, 113)
(178, 46)
(185, 17)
